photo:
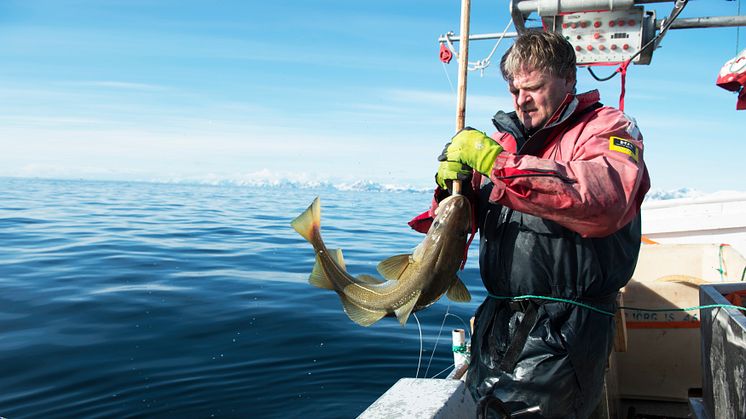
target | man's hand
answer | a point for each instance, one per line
(468, 147)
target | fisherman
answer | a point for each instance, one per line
(558, 191)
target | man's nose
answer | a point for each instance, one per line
(523, 97)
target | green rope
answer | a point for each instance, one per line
(459, 349)
(709, 306)
(720, 260)
(608, 313)
(555, 299)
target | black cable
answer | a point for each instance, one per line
(663, 30)
(602, 78)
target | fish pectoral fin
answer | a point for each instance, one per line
(403, 312)
(393, 267)
(369, 279)
(458, 292)
(318, 277)
(360, 315)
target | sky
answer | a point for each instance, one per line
(326, 90)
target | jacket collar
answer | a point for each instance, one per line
(571, 105)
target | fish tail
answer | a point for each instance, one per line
(308, 222)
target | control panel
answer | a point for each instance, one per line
(606, 37)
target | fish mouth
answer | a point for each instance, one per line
(461, 200)
(461, 203)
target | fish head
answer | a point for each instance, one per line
(454, 216)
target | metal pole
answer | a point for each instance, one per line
(705, 22)
(479, 37)
(680, 23)
(555, 7)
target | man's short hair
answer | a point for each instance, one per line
(542, 51)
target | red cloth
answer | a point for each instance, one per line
(733, 77)
(588, 175)
(737, 298)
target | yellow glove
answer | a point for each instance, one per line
(468, 148)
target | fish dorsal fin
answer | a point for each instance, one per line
(393, 267)
(318, 277)
(336, 255)
(403, 312)
(458, 292)
(369, 279)
(360, 315)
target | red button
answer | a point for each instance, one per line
(597, 24)
(577, 48)
(574, 25)
(583, 24)
(631, 22)
(564, 26)
(601, 47)
(590, 47)
(612, 24)
(620, 22)
(613, 47)
(625, 46)
(579, 37)
(596, 35)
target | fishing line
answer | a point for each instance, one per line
(419, 360)
(437, 339)
(738, 28)
(444, 370)
(445, 69)
(463, 322)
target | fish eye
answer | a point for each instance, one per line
(436, 224)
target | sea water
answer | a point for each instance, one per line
(159, 300)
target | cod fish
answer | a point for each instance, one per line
(412, 281)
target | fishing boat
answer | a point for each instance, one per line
(680, 347)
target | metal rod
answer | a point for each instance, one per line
(479, 37)
(680, 23)
(555, 7)
(705, 22)
(458, 372)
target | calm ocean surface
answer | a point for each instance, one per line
(133, 299)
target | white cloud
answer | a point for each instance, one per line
(119, 85)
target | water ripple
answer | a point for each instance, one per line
(132, 300)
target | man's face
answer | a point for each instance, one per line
(537, 95)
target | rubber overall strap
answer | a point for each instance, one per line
(510, 359)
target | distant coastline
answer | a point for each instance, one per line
(264, 180)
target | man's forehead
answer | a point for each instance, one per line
(528, 76)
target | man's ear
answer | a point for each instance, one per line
(570, 83)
